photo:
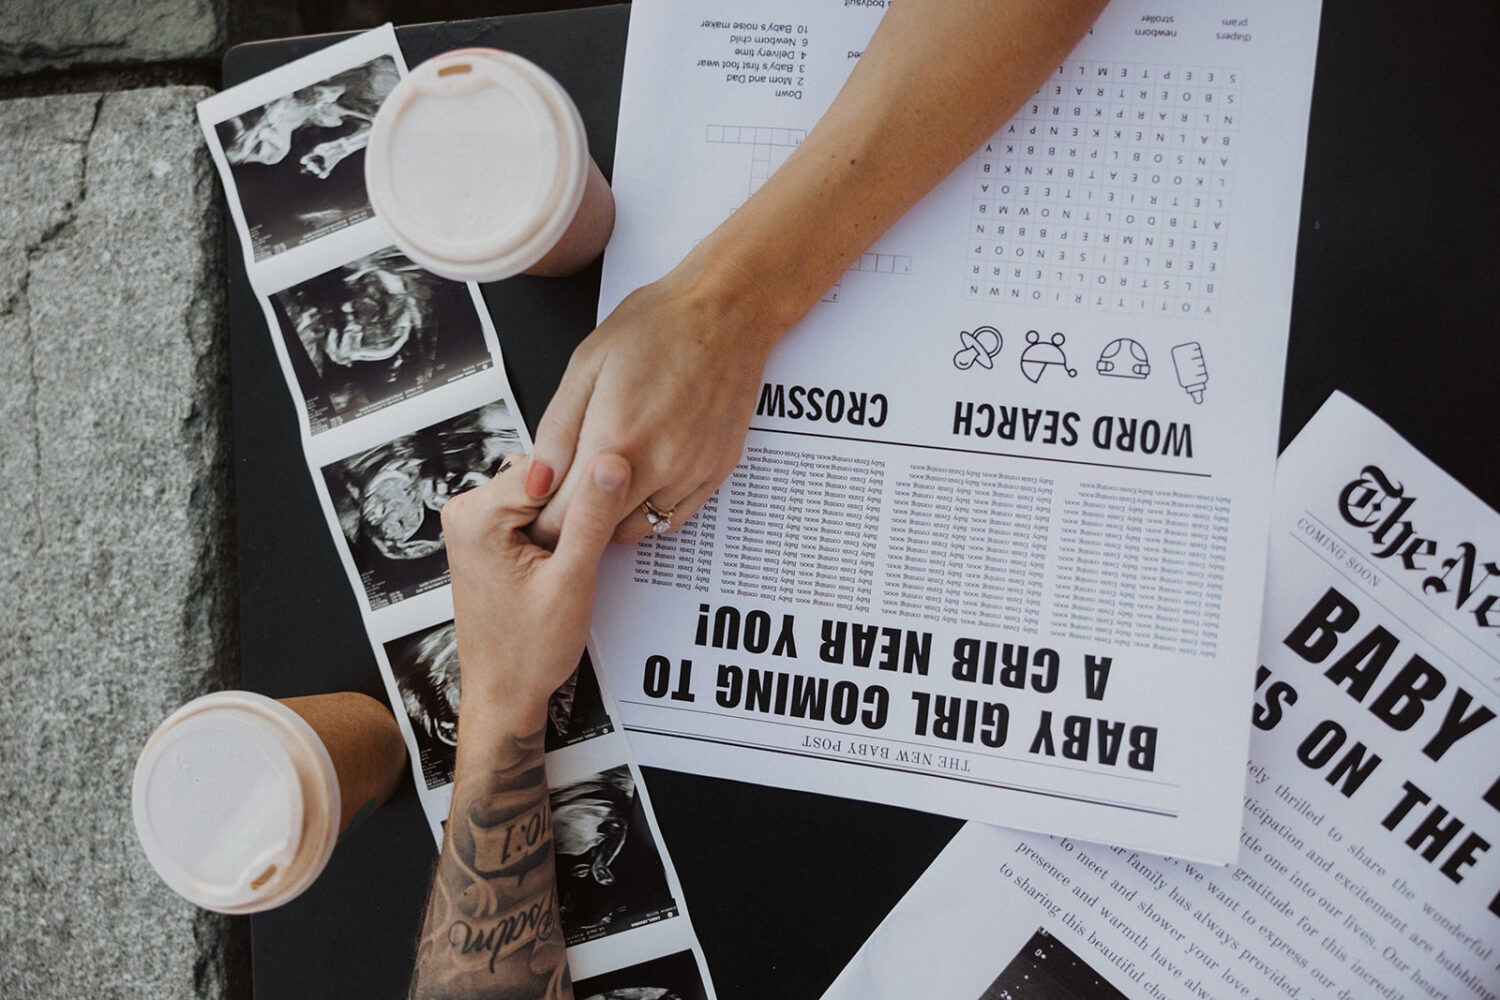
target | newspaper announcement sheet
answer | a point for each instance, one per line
(996, 544)
(1367, 864)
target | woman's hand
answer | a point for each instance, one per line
(668, 381)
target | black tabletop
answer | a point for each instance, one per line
(1395, 303)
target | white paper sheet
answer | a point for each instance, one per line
(1007, 487)
(402, 400)
(1368, 865)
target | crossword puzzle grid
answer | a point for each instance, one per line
(1109, 189)
(768, 147)
(878, 263)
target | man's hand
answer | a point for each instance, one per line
(521, 613)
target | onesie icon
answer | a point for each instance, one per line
(1041, 355)
(1123, 358)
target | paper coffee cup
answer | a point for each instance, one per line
(479, 166)
(239, 799)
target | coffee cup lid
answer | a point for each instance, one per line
(227, 804)
(477, 163)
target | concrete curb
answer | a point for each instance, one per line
(116, 570)
(41, 36)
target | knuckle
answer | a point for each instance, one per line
(460, 515)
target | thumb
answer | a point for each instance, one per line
(592, 515)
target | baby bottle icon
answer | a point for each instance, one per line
(1192, 372)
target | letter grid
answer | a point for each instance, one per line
(1109, 189)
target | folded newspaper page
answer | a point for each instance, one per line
(996, 544)
(1368, 863)
(402, 400)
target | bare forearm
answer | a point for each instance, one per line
(492, 928)
(669, 380)
(937, 78)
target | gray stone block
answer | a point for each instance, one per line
(116, 568)
(54, 34)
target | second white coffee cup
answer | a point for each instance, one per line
(479, 166)
(238, 799)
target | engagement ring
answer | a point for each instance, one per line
(660, 520)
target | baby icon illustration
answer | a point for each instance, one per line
(1123, 358)
(1192, 372)
(1041, 355)
(979, 348)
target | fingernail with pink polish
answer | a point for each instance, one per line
(538, 480)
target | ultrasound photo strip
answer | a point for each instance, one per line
(609, 870)
(370, 347)
(426, 668)
(374, 332)
(389, 500)
(290, 144)
(670, 977)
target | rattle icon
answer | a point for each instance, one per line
(980, 348)
(1036, 359)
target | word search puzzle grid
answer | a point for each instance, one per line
(1109, 189)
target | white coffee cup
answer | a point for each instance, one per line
(239, 799)
(479, 166)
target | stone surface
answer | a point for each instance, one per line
(55, 34)
(116, 569)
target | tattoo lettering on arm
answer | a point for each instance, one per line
(492, 927)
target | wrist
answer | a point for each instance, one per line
(735, 294)
(489, 722)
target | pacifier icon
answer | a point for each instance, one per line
(1037, 358)
(980, 348)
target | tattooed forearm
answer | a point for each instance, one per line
(491, 929)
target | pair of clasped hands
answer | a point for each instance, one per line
(651, 416)
(654, 407)
(658, 399)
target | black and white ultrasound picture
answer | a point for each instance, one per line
(671, 977)
(375, 332)
(576, 711)
(609, 873)
(425, 665)
(388, 499)
(1047, 969)
(298, 162)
